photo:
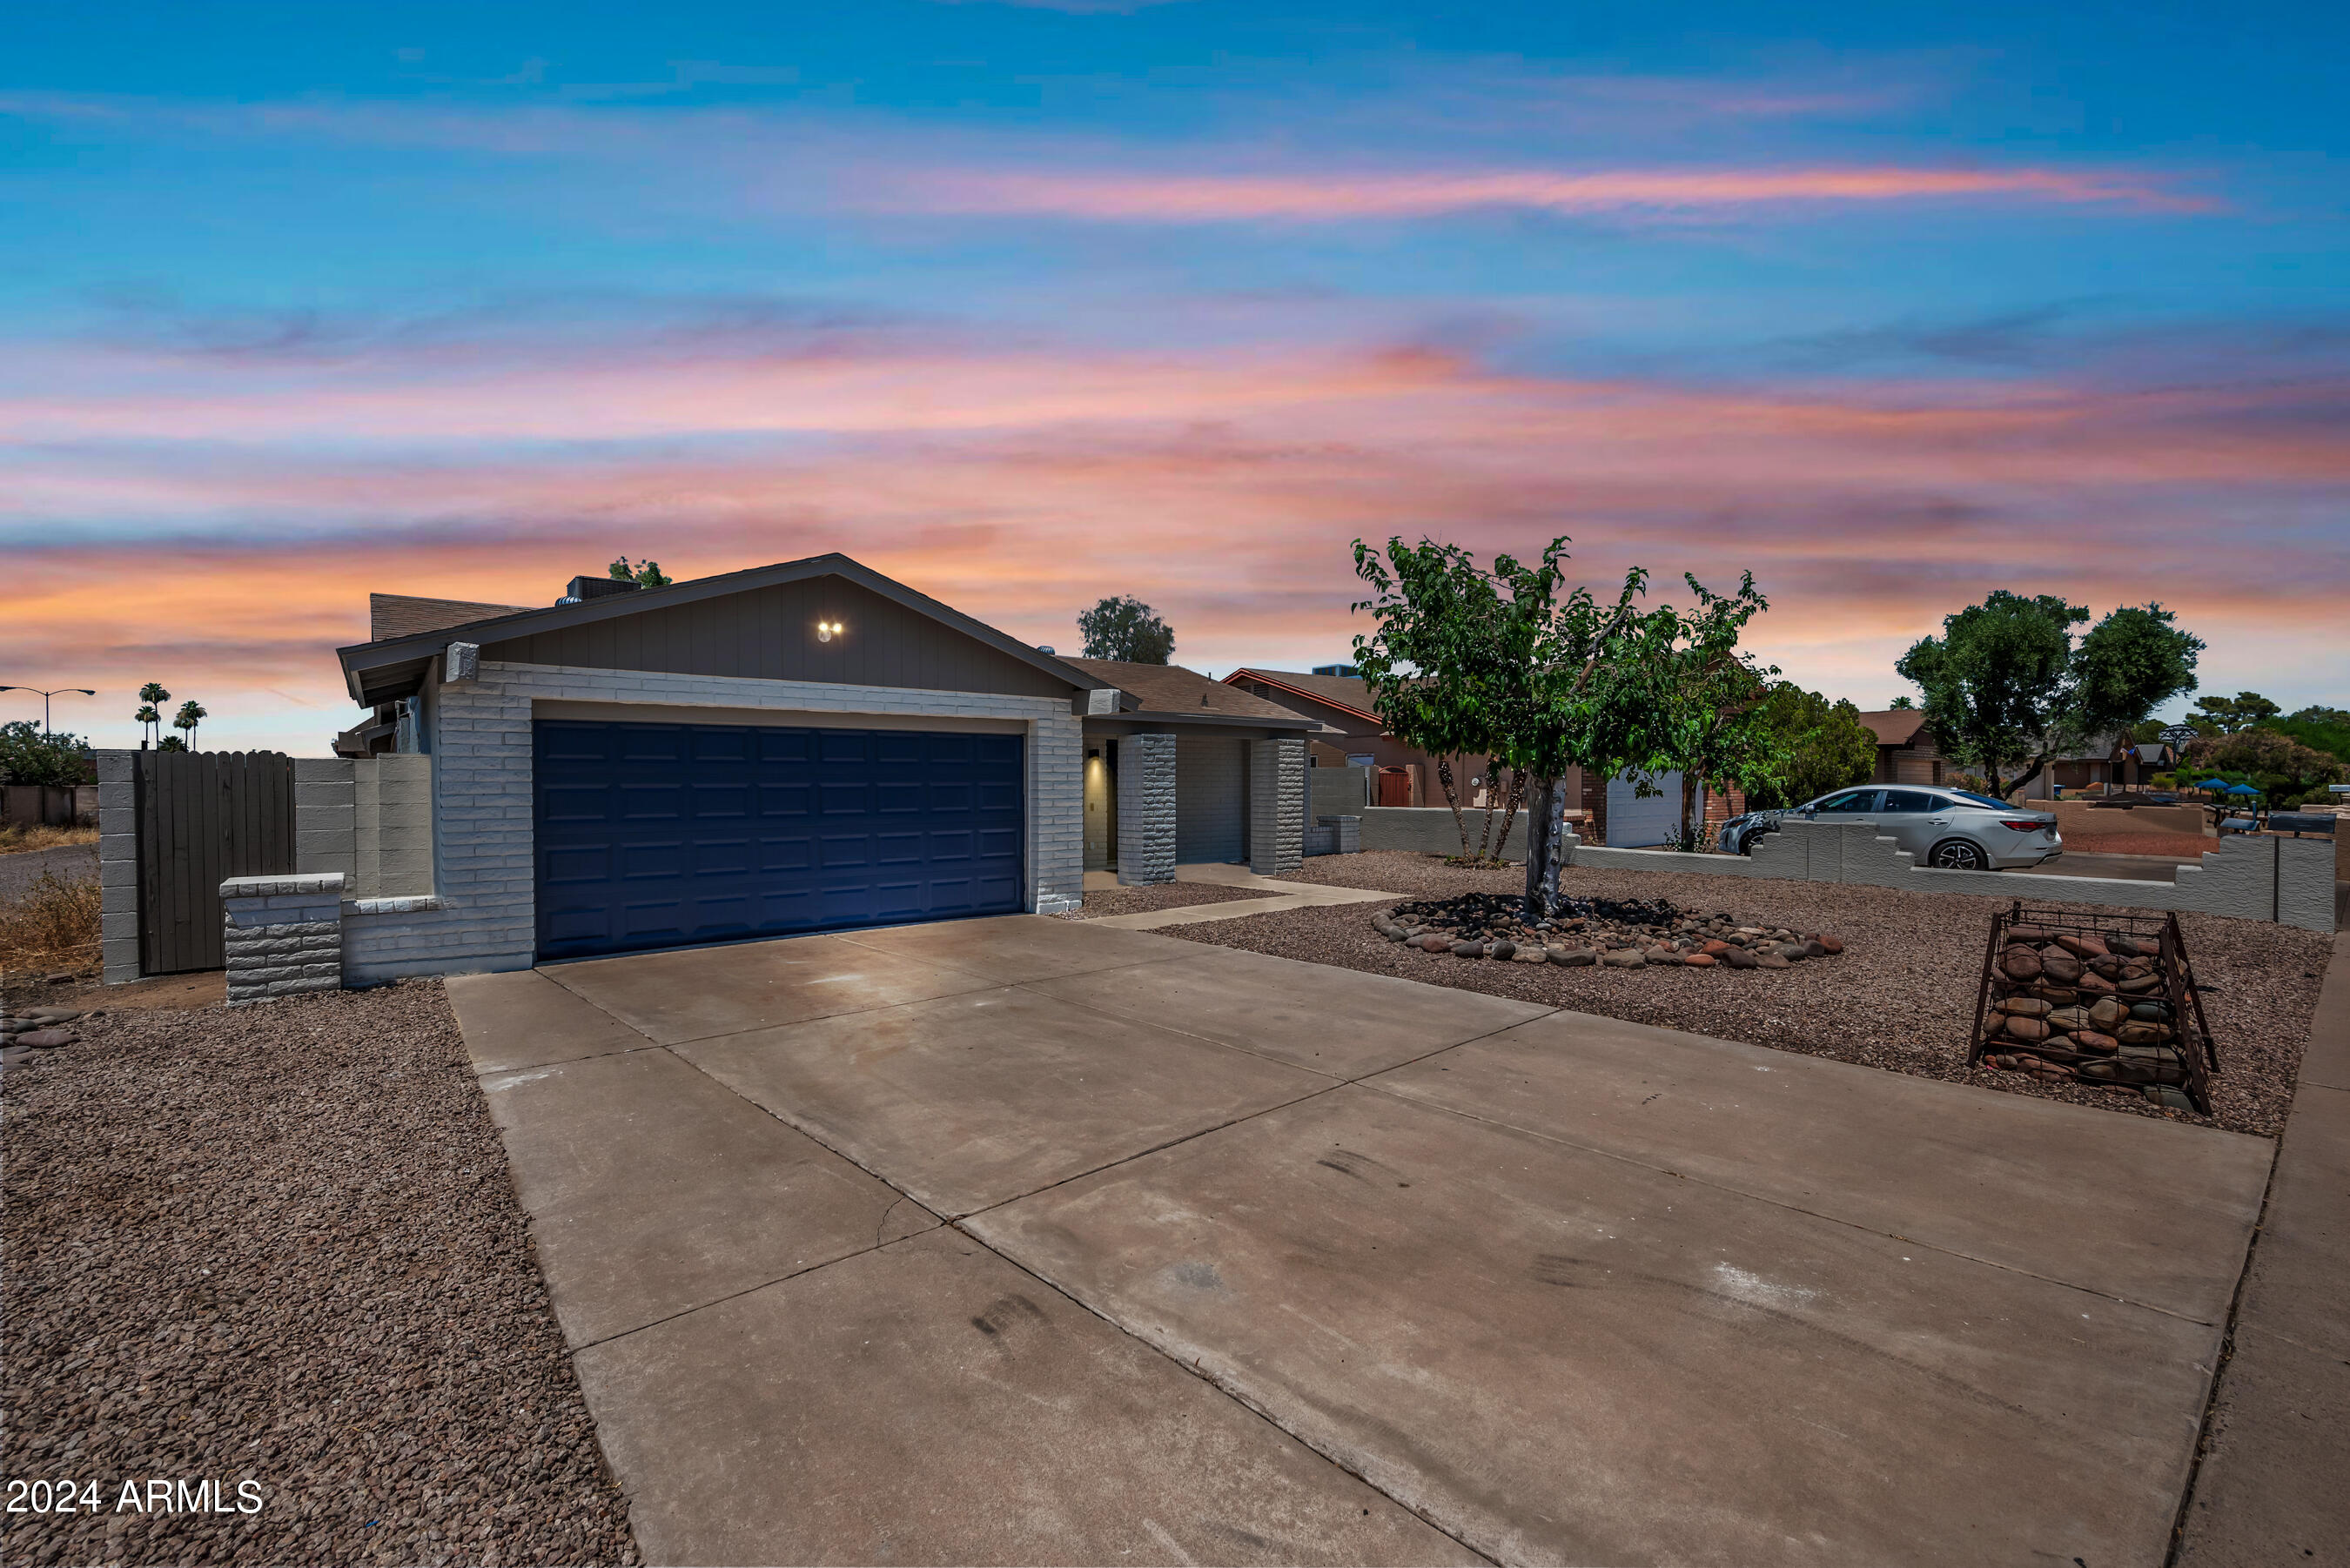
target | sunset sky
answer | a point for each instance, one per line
(1030, 304)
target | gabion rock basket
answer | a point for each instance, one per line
(2107, 1000)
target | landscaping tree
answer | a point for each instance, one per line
(2318, 713)
(2227, 716)
(2006, 688)
(646, 574)
(27, 756)
(191, 712)
(170, 744)
(147, 718)
(2278, 766)
(1825, 746)
(1440, 664)
(152, 697)
(1128, 630)
(1709, 717)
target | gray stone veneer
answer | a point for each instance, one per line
(284, 935)
(1276, 795)
(479, 736)
(1146, 809)
(118, 867)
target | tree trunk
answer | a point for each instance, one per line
(1510, 812)
(1690, 781)
(1452, 799)
(1546, 843)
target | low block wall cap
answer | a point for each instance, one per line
(271, 887)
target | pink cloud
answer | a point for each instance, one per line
(1329, 195)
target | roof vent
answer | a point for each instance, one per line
(594, 589)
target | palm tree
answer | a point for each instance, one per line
(147, 717)
(153, 695)
(191, 712)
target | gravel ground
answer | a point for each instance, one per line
(22, 870)
(1103, 901)
(280, 1245)
(1901, 996)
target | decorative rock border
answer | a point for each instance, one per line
(1615, 933)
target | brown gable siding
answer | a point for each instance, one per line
(770, 634)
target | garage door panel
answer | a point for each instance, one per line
(656, 834)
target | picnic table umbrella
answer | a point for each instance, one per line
(2242, 789)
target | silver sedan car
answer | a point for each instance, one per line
(1948, 828)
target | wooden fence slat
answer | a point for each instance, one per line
(202, 817)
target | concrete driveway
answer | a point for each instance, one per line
(1023, 1239)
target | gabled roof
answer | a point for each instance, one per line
(1172, 690)
(1351, 692)
(394, 667)
(399, 615)
(1896, 726)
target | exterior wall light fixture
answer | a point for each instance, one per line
(825, 630)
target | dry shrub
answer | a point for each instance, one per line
(53, 924)
(21, 836)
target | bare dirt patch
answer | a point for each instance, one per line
(17, 837)
(1900, 997)
(2184, 848)
(1101, 901)
(280, 1244)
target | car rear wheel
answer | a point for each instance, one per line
(1958, 855)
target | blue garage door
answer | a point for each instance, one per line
(654, 835)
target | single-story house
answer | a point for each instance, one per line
(800, 747)
(2110, 761)
(1906, 752)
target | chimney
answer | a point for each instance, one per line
(584, 587)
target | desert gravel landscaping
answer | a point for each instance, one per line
(1102, 901)
(1900, 997)
(280, 1244)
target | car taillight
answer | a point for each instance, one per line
(2026, 826)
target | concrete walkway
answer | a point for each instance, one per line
(2271, 1488)
(1279, 895)
(1028, 1240)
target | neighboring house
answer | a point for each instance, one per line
(2109, 761)
(801, 747)
(1905, 749)
(1356, 735)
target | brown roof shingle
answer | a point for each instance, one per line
(1896, 726)
(399, 615)
(1345, 691)
(1171, 689)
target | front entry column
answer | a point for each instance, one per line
(1276, 806)
(1146, 809)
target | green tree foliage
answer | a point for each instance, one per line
(29, 757)
(645, 574)
(170, 744)
(2331, 738)
(151, 698)
(2006, 688)
(2227, 716)
(1439, 664)
(2284, 771)
(1709, 717)
(1128, 630)
(1901, 702)
(192, 713)
(1825, 746)
(2318, 713)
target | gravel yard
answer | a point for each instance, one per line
(280, 1245)
(1100, 901)
(1900, 997)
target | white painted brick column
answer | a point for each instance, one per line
(284, 935)
(1146, 809)
(1056, 826)
(1276, 806)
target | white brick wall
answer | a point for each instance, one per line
(1276, 806)
(118, 867)
(481, 745)
(1146, 809)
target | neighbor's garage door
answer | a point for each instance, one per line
(1637, 822)
(653, 835)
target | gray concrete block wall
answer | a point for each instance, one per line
(1430, 830)
(393, 814)
(284, 935)
(483, 863)
(118, 866)
(1276, 796)
(1146, 809)
(324, 817)
(2304, 882)
(1340, 792)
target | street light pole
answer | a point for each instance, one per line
(60, 692)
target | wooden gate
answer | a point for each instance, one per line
(205, 817)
